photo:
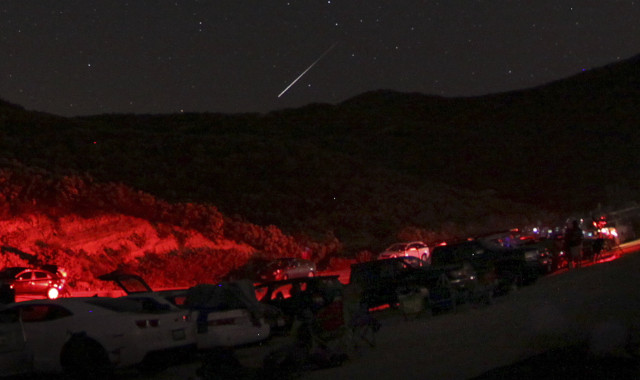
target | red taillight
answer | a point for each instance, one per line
(378, 308)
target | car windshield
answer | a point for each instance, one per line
(277, 263)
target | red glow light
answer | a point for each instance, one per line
(378, 308)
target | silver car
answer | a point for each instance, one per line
(415, 249)
(286, 268)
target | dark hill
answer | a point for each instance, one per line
(373, 165)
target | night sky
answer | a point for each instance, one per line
(82, 57)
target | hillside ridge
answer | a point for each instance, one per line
(369, 169)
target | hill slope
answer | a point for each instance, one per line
(372, 167)
(92, 228)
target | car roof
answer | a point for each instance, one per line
(89, 304)
(405, 243)
(13, 271)
(297, 280)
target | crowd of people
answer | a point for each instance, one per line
(573, 244)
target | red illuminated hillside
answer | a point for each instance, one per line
(90, 229)
(89, 247)
(377, 168)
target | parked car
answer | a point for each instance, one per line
(471, 273)
(480, 268)
(553, 247)
(382, 281)
(415, 249)
(46, 281)
(526, 255)
(295, 295)
(537, 251)
(227, 314)
(250, 270)
(414, 261)
(92, 336)
(224, 315)
(286, 268)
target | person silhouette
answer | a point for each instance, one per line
(573, 237)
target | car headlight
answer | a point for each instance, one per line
(531, 255)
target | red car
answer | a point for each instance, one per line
(34, 281)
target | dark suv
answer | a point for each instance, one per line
(382, 281)
(46, 281)
(478, 267)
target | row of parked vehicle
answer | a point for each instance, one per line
(150, 329)
(92, 336)
(147, 329)
(488, 264)
(470, 270)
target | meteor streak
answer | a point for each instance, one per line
(308, 68)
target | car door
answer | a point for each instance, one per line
(40, 282)
(46, 328)
(297, 269)
(14, 357)
(411, 250)
(22, 283)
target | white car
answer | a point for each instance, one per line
(224, 315)
(92, 335)
(415, 249)
(285, 268)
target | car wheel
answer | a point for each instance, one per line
(53, 293)
(424, 258)
(84, 358)
(447, 294)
